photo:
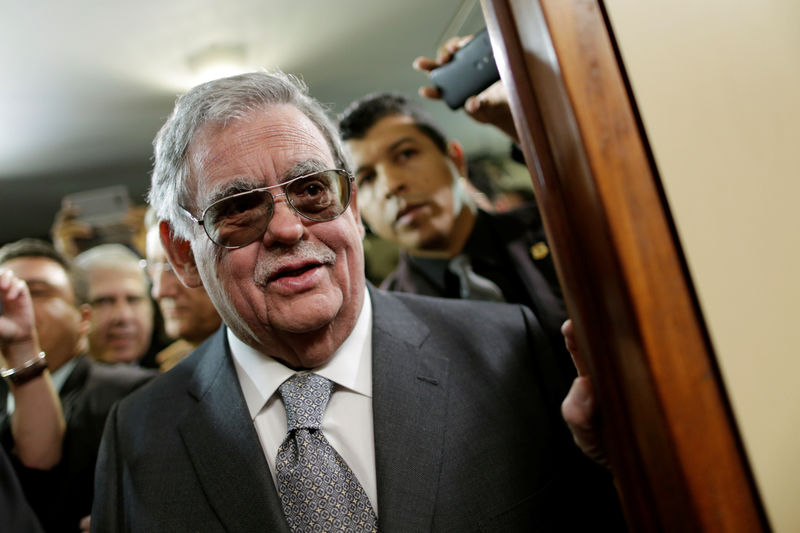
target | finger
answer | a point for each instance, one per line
(568, 330)
(73, 229)
(429, 92)
(446, 51)
(424, 64)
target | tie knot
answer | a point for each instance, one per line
(305, 397)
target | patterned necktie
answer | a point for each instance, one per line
(318, 490)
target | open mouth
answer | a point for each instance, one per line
(407, 212)
(291, 272)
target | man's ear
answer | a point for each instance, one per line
(179, 253)
(85, 320)
(456, 152)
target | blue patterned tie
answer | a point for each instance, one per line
(318, 490)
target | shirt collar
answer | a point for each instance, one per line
(59, 377)
(350, 367)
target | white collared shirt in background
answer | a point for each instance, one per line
(347, 422)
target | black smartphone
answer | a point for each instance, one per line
(471, 70)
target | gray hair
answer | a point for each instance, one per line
(110, 257)
(219, 102)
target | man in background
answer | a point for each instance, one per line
(62, 495)
(122, 312)
(412, 192)
(189, 316)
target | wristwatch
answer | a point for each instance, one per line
(29, 370)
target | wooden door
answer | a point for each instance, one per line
(672, 439)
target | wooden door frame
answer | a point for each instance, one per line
(672, 439)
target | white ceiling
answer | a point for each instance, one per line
(87, 83)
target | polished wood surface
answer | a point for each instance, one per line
(672, 439)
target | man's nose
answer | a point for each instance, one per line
(123, 310)
(393, 181)
(286, 225)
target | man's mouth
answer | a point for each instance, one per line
(405, 214)
(294, 263)
(289, 271)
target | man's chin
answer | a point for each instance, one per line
(305, 312)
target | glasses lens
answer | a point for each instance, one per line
(320, 196)
(239, 219)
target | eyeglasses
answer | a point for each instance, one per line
(239, 219)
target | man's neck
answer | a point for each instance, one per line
(462, 228)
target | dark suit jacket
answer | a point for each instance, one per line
(500, 248)
(63, 495)
(468, 435)
(16, 516)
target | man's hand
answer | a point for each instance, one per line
(38, 422)
(489, 107)
(18, 342)
(67, 229)
(578, 408)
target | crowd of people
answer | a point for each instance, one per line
(234, 370)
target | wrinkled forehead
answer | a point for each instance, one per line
(257, 150)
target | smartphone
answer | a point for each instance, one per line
(100, 207)
(105, 210)
(471, 70)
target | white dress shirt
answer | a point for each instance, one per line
(347, 422)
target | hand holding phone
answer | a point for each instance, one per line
(471, 70)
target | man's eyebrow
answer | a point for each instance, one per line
(392, 147)
(248, 183)
(302, 168)
(398, 142)
(239, 184)
(39, 284)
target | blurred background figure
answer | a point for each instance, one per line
(505, 182)
(412, 191)
(122, 311)
(189, 316)
(31, 419)
(61, 494)
(98, 216)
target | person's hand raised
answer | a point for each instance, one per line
(578, 408)
(18, 340)
(489, 106)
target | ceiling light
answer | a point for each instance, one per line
(217, 61)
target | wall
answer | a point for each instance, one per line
(718, 83)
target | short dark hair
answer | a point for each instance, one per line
(39, 248)
(361, 115)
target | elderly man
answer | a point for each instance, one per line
(189, 315)
(326, 404)
(122, 311)
(62, 494)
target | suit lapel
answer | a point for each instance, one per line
(224, 448)
(409, 411)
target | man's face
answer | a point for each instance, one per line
(122, 317)
(61, 325)
(302, 282)
(188, 313)
(406, 186)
